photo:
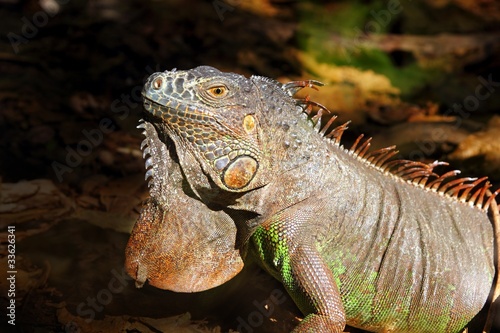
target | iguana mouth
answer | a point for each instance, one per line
(174, 113)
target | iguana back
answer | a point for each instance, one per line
(403, 259)
(384, 245)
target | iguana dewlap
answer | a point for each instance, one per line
(239, 166)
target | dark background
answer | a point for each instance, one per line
(406, 72)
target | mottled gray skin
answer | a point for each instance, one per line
(350, 242)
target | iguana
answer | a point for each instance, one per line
(239, 167)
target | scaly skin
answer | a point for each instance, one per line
(160, 256)
(350, 241)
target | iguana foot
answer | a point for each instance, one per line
(314, 323)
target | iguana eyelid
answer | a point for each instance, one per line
(218, 91)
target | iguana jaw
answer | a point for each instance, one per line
(189, 113)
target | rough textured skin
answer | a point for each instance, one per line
(171, 221)
(244, 169)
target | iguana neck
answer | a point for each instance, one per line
(304, 169)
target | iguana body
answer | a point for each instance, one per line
(354, 237)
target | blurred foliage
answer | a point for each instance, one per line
(351, 33)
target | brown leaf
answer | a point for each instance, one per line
(37, 201)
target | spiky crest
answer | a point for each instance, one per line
(469, 190)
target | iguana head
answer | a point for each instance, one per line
(214, 120)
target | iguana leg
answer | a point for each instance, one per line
(311, 285)
(284, 248)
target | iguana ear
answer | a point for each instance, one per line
(186, 249)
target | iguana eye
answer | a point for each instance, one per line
(157, 83)
(218, 91)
